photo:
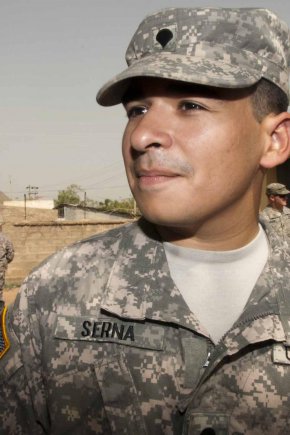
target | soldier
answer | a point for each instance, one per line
(6, 256)
(178, 323)
(276, 212)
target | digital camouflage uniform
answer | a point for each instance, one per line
(279, 221)
(102, 342)
(6, 256)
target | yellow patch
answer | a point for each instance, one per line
(4, 340)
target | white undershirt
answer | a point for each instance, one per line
(217, 284)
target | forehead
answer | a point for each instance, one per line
(142, 87)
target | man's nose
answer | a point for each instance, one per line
(152, 131)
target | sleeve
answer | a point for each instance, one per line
(9, 251)
(22, 402)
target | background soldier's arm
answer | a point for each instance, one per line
(9, 251)
(22, 408)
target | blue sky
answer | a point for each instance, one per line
(55, 55)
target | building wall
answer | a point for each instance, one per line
(33, 242)
(77, 214)
(34, 203)
(40, 235)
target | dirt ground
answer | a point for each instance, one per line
(10, 294)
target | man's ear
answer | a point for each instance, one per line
(271, 198)
(277, 143)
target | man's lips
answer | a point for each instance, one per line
(154, 176)
(155, 173)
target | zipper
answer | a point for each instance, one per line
(220, 348)
(245, 321)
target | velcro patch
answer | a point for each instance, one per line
(106, 329)
(281, 354)
(4, 341)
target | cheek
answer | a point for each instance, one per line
(229, 164)
(242, 149)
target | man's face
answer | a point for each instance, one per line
(279, 201)
(191, 153)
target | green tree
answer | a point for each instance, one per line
(127, 205)
(70, 195)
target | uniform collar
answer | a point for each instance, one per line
(269, 303)
(140, 285)
(273, 212)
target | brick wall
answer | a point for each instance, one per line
(39, 235)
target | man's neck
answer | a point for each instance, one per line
(229, 228)
(219, 234)
(223, 240)
(277, 207)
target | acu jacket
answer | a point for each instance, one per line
(100, 341)
(280, 222)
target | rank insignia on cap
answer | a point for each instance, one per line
(4, 341)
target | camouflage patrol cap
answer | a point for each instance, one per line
(277, 189)
(222, 47)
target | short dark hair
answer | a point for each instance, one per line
(268, 98)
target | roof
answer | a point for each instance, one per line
(117, 212)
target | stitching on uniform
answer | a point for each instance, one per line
(5, 336)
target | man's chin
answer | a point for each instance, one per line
(167, 220)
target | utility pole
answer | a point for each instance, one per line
(10, 186)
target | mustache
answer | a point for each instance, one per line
(157, 160)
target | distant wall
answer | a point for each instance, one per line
(36, 203)
(78, 214)
(35, 238)
(35, 242)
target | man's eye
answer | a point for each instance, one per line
(132, 112)
(190, 105)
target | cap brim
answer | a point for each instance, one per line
(178, 67)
